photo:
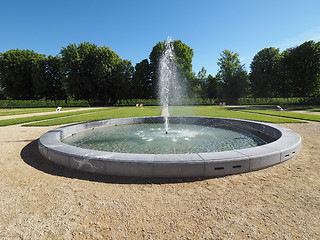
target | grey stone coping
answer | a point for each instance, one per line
(287, 144)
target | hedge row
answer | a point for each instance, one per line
(134, 102)
(208, 101)
(156, 102)
(42, 103)
(280, 101)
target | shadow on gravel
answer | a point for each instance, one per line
(31, 155)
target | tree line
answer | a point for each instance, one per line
(86, 71)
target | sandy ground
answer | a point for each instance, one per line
(40, 200)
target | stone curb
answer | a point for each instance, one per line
(286, 146)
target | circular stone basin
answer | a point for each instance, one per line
(193, 147)
(151, 138)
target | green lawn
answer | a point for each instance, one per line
(116, 112)
(18, 111)
(303, 116)
(55, 115)
(311, 108)
(60, 118)
(215, 111)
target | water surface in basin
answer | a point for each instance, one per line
(152, 139)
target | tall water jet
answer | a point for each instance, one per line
(169, 87)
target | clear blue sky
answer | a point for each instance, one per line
(132, 28)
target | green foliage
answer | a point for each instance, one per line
(174, 102)
(233, 76)
(16, 73)
(200, 88)
(154, 57)
(141, 81)
(100, 76)
(214, 101)
(293, 73)
(183, 58)
(48, 78)
(195, 101)
(2, 93)
(120, 85)
(278, 101)
(134, 102)
(265, 72)
(300, 70)
(213, 87)
(95, 73)
(42, 103)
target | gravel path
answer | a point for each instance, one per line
(306, 112)
(40, 200)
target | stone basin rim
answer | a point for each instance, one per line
(210, 164)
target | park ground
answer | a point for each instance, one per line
(41, 200)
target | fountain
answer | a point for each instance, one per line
(188, 147)
(169, 86)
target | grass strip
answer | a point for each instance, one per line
(9, 112)
(118, 112)
(18, 111)
(14, 121)
(214, 111)
(303, 116)
(311, 108)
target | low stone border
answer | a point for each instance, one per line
(286, 146)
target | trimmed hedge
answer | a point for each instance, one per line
(208, 101)
(134, 102)
(156, 102)
(280, 101)
(42, 103)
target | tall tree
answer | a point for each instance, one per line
(212, 87)
(183, 59)
(201, 83)
(300, 67)
(16, 73)
(264, 76)
(95, 73)
(233, 75)
(141, 82)
(48, 78)
(2, 93)
(120, 84)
